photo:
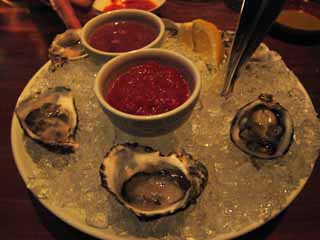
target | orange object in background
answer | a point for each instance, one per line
(299, 19)
(140, 4)
(299, 22)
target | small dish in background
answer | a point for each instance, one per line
(117, 32)
(299, 22)
(234, 4)
(109, 5)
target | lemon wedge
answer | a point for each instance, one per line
(204, 38)
(207, 40)
(185, 34)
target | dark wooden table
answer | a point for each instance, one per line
(24, 40)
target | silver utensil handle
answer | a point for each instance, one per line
(256, 18)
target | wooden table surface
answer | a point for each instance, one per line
(24, 39)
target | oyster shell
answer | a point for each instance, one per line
(66, 46)
(150, 184)
(262, 128)
(50, 118)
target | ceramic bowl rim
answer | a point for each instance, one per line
(123, 59)
(98, 20)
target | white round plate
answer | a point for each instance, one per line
(230, 170)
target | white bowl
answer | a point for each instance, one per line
(151, 124)
(123, 14)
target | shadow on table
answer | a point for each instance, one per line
(61, 231)
(264, 231)
(295, 37)
(47, 21)
(57, 228)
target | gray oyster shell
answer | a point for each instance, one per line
(50, 118)
(262, 128)
(125, 162)
(66, 46)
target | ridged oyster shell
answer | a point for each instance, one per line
(66, 46)
(50, 118)
(151, 184)
(262, 128)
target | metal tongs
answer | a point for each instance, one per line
(256, 18)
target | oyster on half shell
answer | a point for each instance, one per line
(262, 128)
(66, 46)
(50, 118)
(149, 184)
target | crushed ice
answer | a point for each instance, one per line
(241, 190)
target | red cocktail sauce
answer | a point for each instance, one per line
(122, 36)
(147, 89)
(136, 4)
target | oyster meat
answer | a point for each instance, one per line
(149, 184)
(66, 46)
(50, 118)
(262, 128)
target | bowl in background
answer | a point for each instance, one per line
(299, 22)
(104, 5)
(149, 124)
(144, 17)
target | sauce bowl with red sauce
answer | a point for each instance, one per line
(117, 32)
(148, 92)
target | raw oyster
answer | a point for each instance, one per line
(262, 128)
(150, 184)
(66, 46)
(50, 118)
